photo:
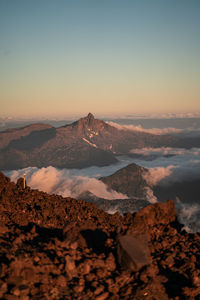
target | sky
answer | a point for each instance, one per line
(63, 58)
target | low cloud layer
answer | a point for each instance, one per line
(163, 151)
(139, 128)
(189, 215)
(157, 174)
(54, 181)
(186, 132)
(169, 165)
(183, 165)
(173, 173)
(150, 197)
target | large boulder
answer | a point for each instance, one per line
(133, 252)
(152, 216)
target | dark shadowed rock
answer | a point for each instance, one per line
(3, 181)
(133, 252)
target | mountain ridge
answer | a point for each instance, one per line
(83, 143)
(128, 180)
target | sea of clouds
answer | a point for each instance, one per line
(64, 182)
(165, 164)
(169, 164)
(139, 128)
(191, 131)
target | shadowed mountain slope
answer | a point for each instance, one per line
(128, 180)
(84, 143)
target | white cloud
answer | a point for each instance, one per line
(54, 181)
(180, 165)
(188, 214)
(163, 171)
(165, 151)
(155, 175)
(139, 128)
(150, 197)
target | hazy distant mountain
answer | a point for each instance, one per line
(6, 124)
(6, 137)
(84, 143)
(128, 180)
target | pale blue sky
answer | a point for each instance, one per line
(60, 58)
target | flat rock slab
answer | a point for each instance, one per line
(133, 251)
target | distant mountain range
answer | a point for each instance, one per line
(84, 143)
(130, 181)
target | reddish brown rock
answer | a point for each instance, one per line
(158, 214)
(70, 266)
(61, 248)
(133, 252)
(103, 296)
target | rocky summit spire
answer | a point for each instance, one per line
(90, 116)
(89, 119)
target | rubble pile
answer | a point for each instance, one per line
(61, 248)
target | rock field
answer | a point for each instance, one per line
(61, 248)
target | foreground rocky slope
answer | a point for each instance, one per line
(61, 248)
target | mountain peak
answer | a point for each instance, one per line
(90, 116)
(88, 120)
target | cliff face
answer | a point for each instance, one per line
(61, 248)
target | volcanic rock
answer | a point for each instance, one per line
(71, 251)
(70, 267)
(133, 251)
